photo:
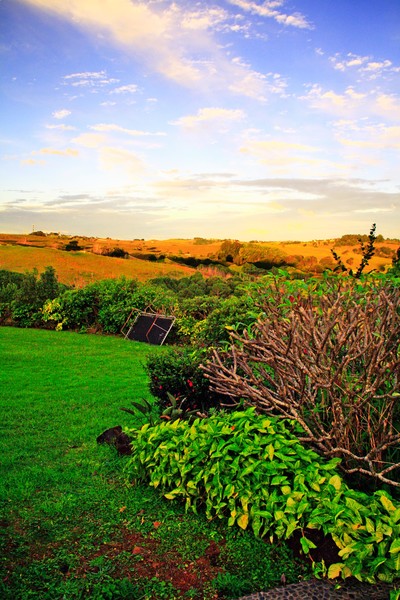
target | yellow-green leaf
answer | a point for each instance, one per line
(271, 451)
(335, 570)
(336, 481)
(243, 521)
(388, 504)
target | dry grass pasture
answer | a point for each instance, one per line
(34, 251)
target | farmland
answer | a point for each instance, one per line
(153, 258)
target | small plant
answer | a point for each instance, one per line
(176, 410)
(367, 252)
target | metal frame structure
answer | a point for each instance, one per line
(152, 328)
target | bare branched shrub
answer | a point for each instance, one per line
(332, 363)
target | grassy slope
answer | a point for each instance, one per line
(79, 268)
(70, 526)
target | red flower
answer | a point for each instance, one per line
(190, 383)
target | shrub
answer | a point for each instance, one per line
(176, 371)
(331, 361)
(253, 471)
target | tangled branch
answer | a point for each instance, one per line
(332, 364)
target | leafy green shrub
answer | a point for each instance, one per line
(23, 295)
(106, 305)
(253, 470)
(176, 371)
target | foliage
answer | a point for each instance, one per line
(105, 305)
(176, 372)
(330, 360)
(229, 250)
(73, 246)
(253, 471)
(115, 252)
(367, 252)
(23, 295)
(395, 269)
(254, 564)
(176, 410)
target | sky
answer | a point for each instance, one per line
(228, 119)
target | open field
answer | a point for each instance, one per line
(71, 525)
(26, 252)
(80, 268)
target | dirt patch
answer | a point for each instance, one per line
(148, 561)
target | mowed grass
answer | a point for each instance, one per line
(71, 525)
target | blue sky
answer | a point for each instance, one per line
(274, 120)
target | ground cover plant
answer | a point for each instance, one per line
(253, 471)
(70, 526)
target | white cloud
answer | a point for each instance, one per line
(167, 39)
(217, 117)
(61, 114)
(269, 9)
(365, 135)
(56, 152)
(119, 129)
(90, 140)
(363, 65)
(112, 158)
(89, 79)
(131, 88)
(61, 127)
(353, 103)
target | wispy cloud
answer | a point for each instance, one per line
(219, 118)
(353, 103)
(61, 114)
(168, 39)
(131, 88)
(61, 127)
(57, 152)
(112, 158)
(89, 79)
(269, 9)
(364, 65)
(106, 127)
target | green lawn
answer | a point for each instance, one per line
(71, 525)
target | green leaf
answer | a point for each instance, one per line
(395, 546)
(306, 544)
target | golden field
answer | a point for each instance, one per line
(31, 251)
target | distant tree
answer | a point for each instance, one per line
(73, 246)
(229, 250)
